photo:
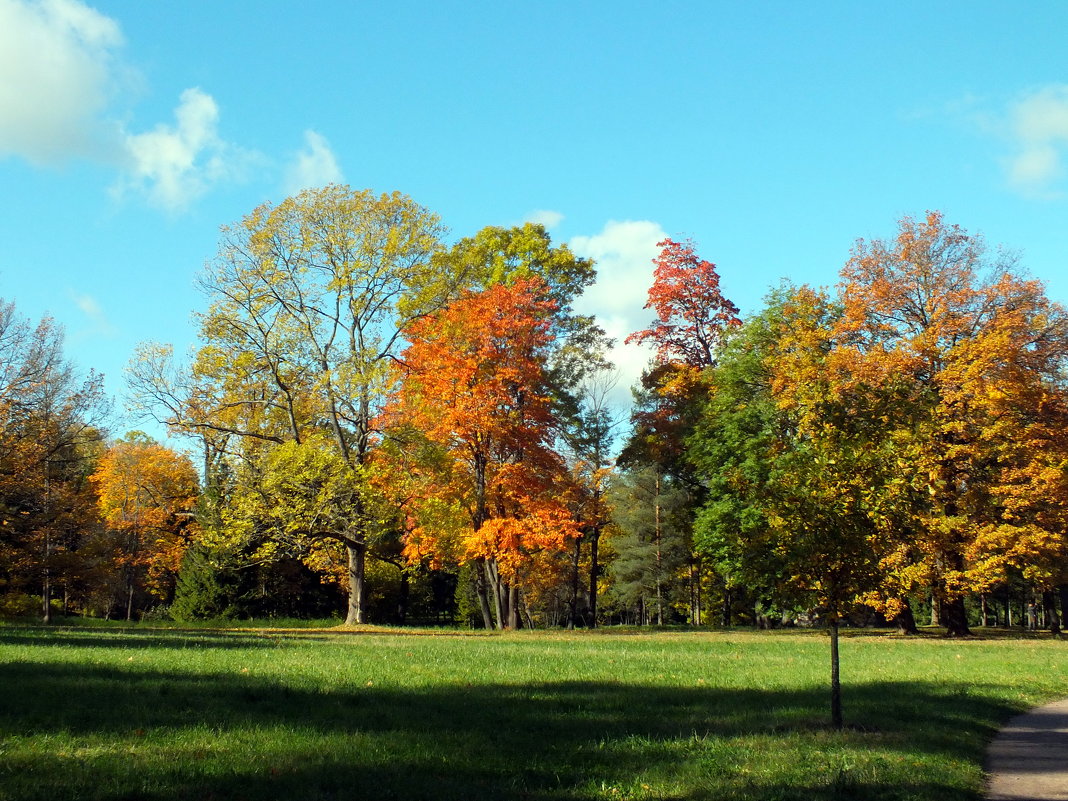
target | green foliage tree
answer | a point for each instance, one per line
(309, 302)
(650, 538)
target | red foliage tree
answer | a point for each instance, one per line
(488, 488)
(691, 312)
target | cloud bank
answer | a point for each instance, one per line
(57, 74)
(61, 75)
(623, 252)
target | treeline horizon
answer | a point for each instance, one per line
(397, 430)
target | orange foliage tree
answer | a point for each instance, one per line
(487, 486)
(147, 494)
(967, 357)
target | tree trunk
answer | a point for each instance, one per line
(405, 597)
(659, 594)
(1049, 604)
(513, 606)
(936, 611)
(725, 617)
(357, 566)
(906, 621)
(836, 683)
(482, 591)
(594, 576)
(573, 592)
(985, 621)
(695, 591)
(46, 599)
(955, 618)
(129, 599)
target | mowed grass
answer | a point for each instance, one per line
(136, 713)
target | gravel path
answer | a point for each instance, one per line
(1029, 757)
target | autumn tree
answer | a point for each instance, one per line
(309, 300)
(589, 437)
(801, 497)
(49, 434)
(692, 319)
(691, 311)
(489, 487)
(973, 354)
(147, 494)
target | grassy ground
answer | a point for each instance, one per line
(163, 714)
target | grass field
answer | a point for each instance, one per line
(163, 714)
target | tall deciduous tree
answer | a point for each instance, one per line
(973, 354)
(309, 300)
(490, 489)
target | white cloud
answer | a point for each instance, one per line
(176, 164)
(623, 252)
(99, 324)
(314, 166)
(57, 74)
(1039, 128)
(550, 219)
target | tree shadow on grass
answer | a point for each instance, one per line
(141, 638)
(169, 735)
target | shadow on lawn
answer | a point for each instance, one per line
(544, 741)
(139, 638)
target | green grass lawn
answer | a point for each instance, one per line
(140, 713)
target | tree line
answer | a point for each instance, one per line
(410, 430)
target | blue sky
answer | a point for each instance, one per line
(772, 133)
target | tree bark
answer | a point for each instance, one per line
(955, 618)
(906, 621)
(357, 564)
(481, 590)
(836, 682)
(513, 606)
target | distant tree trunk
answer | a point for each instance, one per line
(659, 592)
(405, 596)
(572, 600)
(1008, 608)
(1063, 592)
(129, 598)
(985, 620)
(357, 563)
(594, 575)
(955, 618)
(906, 621)
(936, 611)
(695, 591)
(725, 617)
(46, 599)
(482, 591)
(836, 683)
(1049, 605)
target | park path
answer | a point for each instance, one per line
(1029, 757)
